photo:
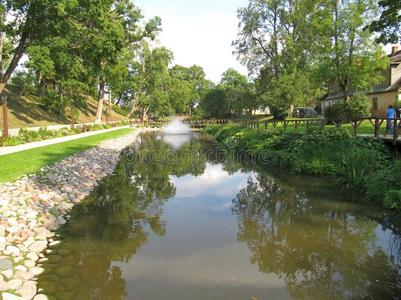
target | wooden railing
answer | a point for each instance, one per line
(198, 124)
(256, 124)
(376, 122)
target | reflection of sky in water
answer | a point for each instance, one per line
(176, 140)
(198, 245)
(214, 181)
(389, 242)
(196, 256)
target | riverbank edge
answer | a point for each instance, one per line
(33, 207)
(245, 140)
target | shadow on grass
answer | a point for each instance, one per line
(28, 110)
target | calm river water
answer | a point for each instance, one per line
(180, 219)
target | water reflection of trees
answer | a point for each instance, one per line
(115, 221)
(321, 250)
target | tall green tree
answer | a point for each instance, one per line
(215, 103)
(389, 23)
(106, 28)
(27, 22)
(239, 92)
(277, 43)
(151, 85)
(188, 85)
(60, 73)
(350, 61)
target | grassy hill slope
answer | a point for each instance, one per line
(27, 111)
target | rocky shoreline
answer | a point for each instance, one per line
(34, 206)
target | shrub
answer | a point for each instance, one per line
(279, 113)
(344, 112)
(24, 82)
(380, 182)
(392, 200)
(357, 163)
(44, 133)
(54, 102)
(28, 136)
(121, 110)
(10, 141)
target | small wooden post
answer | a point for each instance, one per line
(72, 123)
(265, 125)
(5, 115)
(377, 128)
(395, 132)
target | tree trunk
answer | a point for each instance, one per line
(2, 86)
(145, 114)
(133, 106)
(1, 52)
(20, 49)
(72, 120)
(42, 86)
(100, 103)
(18, 53)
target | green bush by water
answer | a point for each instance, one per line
(360, 164)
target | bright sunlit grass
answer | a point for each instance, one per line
(31, 161)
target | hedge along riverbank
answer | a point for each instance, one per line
(28, 136)
(360, 164)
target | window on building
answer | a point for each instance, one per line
(375, 103)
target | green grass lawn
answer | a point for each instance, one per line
(31, 161)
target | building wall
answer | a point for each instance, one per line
(327, 103)
(383, 100)
(395, 73)
(262, 111)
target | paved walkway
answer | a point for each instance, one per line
(23, 147)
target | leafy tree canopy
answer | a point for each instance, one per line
(389, 23)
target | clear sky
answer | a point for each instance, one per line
(198, 31)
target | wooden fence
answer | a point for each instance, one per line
(377, 125)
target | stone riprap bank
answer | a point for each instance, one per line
(34, 206)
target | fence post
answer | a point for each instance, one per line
(5, 115)
(395, 133)
(377, 128)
